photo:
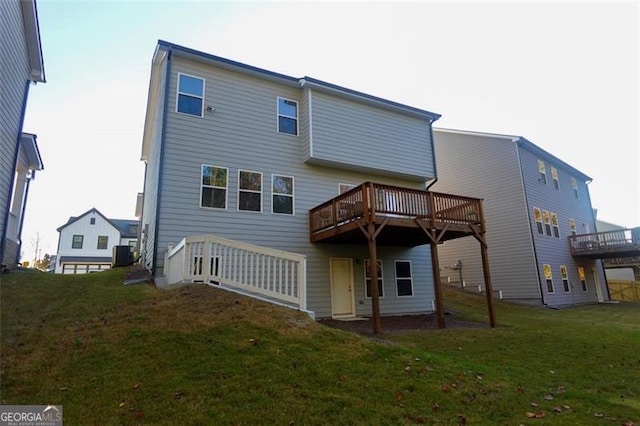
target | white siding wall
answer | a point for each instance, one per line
(15, 74)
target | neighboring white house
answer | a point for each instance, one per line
(22, 67)
(86, 242)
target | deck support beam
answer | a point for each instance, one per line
(480, 236)
(371, 233)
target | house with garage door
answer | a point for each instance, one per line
(22, 68)
(86, 242)
(543, 244)
(292, 189)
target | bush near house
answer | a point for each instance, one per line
(114, 354)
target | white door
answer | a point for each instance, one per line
(342, 298)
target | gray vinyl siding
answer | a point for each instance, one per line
(555, 251)
(351, 135)
(15, 73)
(148, 220)
(487, 167)
(241, 134)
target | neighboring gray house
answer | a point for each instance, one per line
(533, 202)
(22, 66)
(250, 156)
(621, 268)
(86, 242)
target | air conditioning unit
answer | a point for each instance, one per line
(121, 256)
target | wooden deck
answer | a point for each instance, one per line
(403, 215)
(621, 243)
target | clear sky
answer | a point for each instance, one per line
(563, 75)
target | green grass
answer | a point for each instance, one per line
(112, 354)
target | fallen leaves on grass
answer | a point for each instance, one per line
(538, 415)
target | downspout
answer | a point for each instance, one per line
(433, 157)
(161, 161)
(22, 213)
(595, 227)
(15, 165)
(533, 242)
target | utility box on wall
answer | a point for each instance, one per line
(121, 256)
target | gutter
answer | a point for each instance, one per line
(433, 156)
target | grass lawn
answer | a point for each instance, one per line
(114, 354)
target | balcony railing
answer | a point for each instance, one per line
(618, 243)
(371, 200)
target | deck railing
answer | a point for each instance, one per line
(254, 269)
(618, 240)
(371, 199)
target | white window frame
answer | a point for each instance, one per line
(278, 115)
(348, 186)
(367, 278)
(583, 278)
(574, 185)
(542, 170)
(546, 218)
(178, 93)
(548, 281)
(226, 188)
(554, 177)
(539, 223)
(73, 241)
(555, 225)
(292, 195)
(251, 191)
(410, 277)
(564, 276)
(106, 246)
(572, 227)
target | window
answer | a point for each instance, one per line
(554, 176)
(92, 221)
(572, 226)
(543, 172)
(103, 241)
(190, 95)
(214, 187)
(287, 116)
(77, 241)
(249, 191)
(133, 246)
(344, 187)
(574, 185)
(583, 278)
(367, 278)
(404, 281)
(547, 222)
(537, 215)
(565, 278)
(548, 277)
(282, 194)
(554, 224)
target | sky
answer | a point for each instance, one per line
(566, 76)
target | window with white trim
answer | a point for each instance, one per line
(367, 278)
(554, 176)
(404, 279)
(564, 274)
(583, 278)
(249, 191)
(572, 226)
(574, 185)
(190, 98)
(543, 172)
(213, 190)
(287, 116)
(282, 194)
(554, 224)
(548, 276)
(537, 215)
(103, 242)
(547, 222)
(345, 187)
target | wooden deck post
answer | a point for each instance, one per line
(437, 284)
(373, 283)
(487, 284)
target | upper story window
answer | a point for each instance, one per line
(77, 241)
(367, 278)
(404, 281)
(92, 221)
(537, 215)
(554, 176)
(574, 185)
(287, 116)
(554, 224)
(572, 226)
(282, 194)
(214, 187)
(249, 191)
(543, 172)
(103, 242)
(547, 222)
(190, 98)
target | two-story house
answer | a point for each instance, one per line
(22, 66)
(86, 242)
(291, 164)
(533, 202)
